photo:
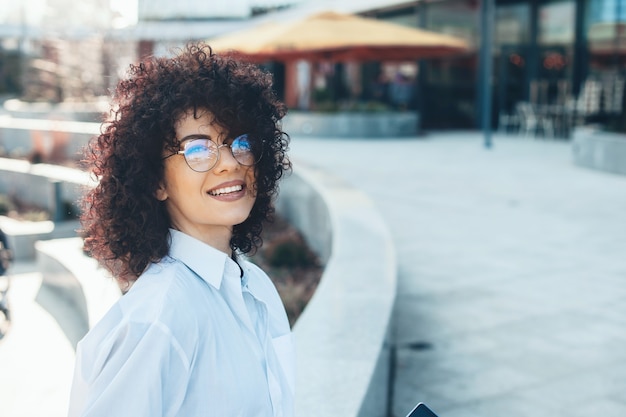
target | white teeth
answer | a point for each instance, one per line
(226, 190)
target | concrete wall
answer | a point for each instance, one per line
(23, 236)
(47, 186)
(352, 124)
(52, 130)
(604, 151)
(43, 185)
(51, 139)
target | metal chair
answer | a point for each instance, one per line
(534, 122)
(509, 122)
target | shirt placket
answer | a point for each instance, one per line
(236, 303)
(261, 326)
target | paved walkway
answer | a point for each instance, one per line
(36, 359)
(512, 286)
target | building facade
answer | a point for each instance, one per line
(569, 53)
(557, 55)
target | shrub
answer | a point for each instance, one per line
(289, 251)
(6, 205)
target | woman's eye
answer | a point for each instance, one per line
(195, 149)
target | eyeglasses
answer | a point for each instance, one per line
(202, 154)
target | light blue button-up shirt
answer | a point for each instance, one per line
(192, 337)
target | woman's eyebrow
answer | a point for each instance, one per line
(195, 136)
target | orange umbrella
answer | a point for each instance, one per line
(337, 37)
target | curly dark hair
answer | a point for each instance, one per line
(124, 225)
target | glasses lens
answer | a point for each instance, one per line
(200, 154)
(245, 150)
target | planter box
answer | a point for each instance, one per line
(599, 150)
(352, 124)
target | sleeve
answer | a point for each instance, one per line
(138, 370)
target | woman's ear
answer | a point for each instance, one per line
(160, 193)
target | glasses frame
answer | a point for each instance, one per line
(217, 147)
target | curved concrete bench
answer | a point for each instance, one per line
(43, 185)
(86, 289)
(343, 354)
(46, 186)
(341, 337)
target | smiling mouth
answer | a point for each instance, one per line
(226, 190)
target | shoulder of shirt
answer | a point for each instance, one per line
(160, 289)
(158, 297)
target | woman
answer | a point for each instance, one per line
(188, 167)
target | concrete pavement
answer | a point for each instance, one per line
(511, 293)
(36, 358)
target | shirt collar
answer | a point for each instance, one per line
(207, 262)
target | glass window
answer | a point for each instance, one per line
(512, 24)
(556, 23)
(453, 18)
(606, 24)
(606, 34)
(409, 20)
(600, 11)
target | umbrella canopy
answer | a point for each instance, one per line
(338, 37)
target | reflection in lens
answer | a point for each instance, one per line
(242, 150)
(200, 155)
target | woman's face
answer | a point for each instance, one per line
(206, 205)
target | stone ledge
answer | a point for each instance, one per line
(353, 124)
(61, 139)
(87, 290)
(43, 185)
(22, 235)
(46, 186)
(342, 335)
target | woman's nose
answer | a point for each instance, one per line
(226, 160)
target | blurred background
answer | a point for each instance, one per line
(563, 60)
(509, 298)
